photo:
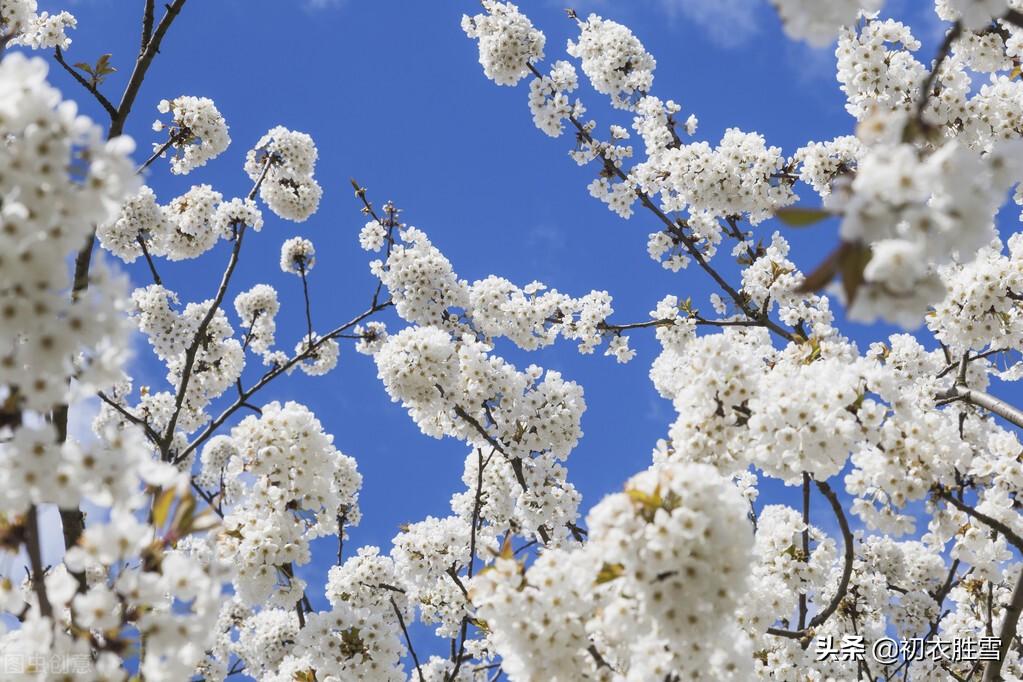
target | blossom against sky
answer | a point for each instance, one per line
(393, 96)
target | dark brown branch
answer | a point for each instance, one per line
(159, 152)
(1014, 539)
(847, 538)
(193, 349)
(149, 260)
(142, 64)
(150, 432)
(72, 520)
(408, 640)
(305, 294)
(806, 545)
(843, 584)
(58, 56)
(926, 90)
(270, 376)
(516, 463)
(674, 230)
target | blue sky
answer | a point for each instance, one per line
(393, 95)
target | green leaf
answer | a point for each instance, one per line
(609, 572)
(98, 71)
(161, 506)
(796, 216)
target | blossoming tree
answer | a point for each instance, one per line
(213, 496)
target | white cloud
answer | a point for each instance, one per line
(727, 22)
(322, 4)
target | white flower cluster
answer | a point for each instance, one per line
(288, 160)
(614, 60)
(286, 484)
(141, 221)
(424, 555)
(508, 43)
(218, 362)
(736, 177)
(320, 355)
(819, 21)
(974, 14)
(876, 67)
(917, 212)
(297, 256)
(548, 98)
(781, 572)
(426, 290)
(435, 376)
(59, 178)
(372, 236)
(420, 279)
(21, 20)
(654, 592)
(981, 308)
(257, 308)
(194, 215)
(822, 163)
(186, 228)
(198, 132)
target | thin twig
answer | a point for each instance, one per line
(928, 85)
(58, 56)
(673, 229)
(270, 376)
(1014, 539)
(843, 584)
(149, 260)
(305, 294)
(147, 24)
(193, 348)
(408, 640)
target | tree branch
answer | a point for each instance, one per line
(843, 584)
(147, 24)
(32, 546)
(993, 671)
(983, 400)
(200, 333)
(928, 85)
(270, 376)
(138, 74)
(58, 56)
(408, 640)
(674, 230)
(1014, 539)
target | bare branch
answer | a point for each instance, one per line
(993, 671)
(843, 584)
(32, 545)
(408, 640)
(147, 24)
(1014, 539)
(152, 46)
(270, 376)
